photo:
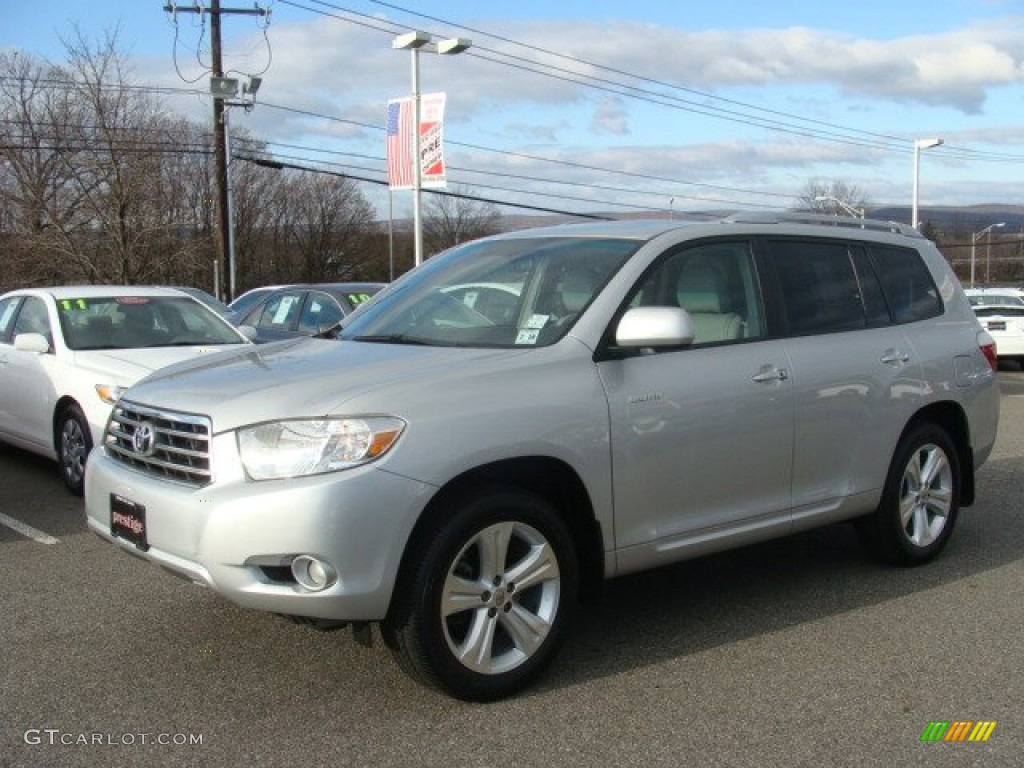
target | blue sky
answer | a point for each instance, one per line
(688, 105)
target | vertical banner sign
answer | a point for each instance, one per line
(432, 139)
(399, 138)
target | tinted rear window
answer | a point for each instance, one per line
(908, 285)
(820, 287)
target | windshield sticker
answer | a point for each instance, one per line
(283, 310)
(537, 321)
(358, 298)
(70, 305)
(527, 336)
(133, 300)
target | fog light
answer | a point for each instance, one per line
(312, 573)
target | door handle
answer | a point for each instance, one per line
(770, 373)
(894, 356)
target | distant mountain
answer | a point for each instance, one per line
(950, 219)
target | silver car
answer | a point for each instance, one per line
(661, 391)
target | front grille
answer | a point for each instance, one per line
(174, 446)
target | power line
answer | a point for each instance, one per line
(276, 164)
(836, 133)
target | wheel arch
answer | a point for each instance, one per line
(951, 417)
(551, 479)
(59, 407)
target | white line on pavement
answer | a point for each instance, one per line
(27, 530)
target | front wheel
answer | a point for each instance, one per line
(487, 603)
(74, 441)
(920, 501)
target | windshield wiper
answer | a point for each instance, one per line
(392, 338)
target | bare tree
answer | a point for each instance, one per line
(39, 126)
(331, 218)
(98, 184)
(453, 219)
(832, 196)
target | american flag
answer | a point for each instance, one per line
(400, 144)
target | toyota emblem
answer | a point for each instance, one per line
(144, 439)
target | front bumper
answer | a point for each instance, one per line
(237, 536)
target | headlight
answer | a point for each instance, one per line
(296, 448)
(109, 393)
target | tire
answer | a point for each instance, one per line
(74, 441)
(920, 501)
(462, 619)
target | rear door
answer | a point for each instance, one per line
(855, 376)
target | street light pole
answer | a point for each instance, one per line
(974, 242)
(417, 165)
(919, 144)
(415, 42)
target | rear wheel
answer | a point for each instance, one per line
(920, 501)
(74, 441)
(488, 602)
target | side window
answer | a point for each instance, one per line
(716, 283)
(907, 283)
(875, 308)
(8, 308)
(321, 312)
(33, 318)
(820, 289)
(279, 312)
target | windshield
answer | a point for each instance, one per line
(524, 292)
(130, 322)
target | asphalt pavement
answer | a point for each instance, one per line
(798, 652)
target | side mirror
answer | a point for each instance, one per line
(32, 342)
(655, 327)
(328, 331)
(248, 331)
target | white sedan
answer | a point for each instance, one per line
(67, 353)
(1005, 324)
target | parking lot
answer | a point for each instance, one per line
(798, 652)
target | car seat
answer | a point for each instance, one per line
(702, 292)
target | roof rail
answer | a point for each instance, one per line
(796, 217)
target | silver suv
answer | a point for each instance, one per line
(527, 415)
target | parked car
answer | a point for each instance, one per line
(242, 303)
(67, 353)
(663, 390)
(1005, 323)
(995, 296)
(305, 310)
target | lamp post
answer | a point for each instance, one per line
(919, 144)
(974, 242)
(415, 42)
(857, 213)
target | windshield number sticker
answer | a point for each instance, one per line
(527, 336)
(537, 321)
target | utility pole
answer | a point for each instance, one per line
(220, 155)
(220, 149)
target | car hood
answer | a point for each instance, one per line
(126, 366)
(302, 378)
